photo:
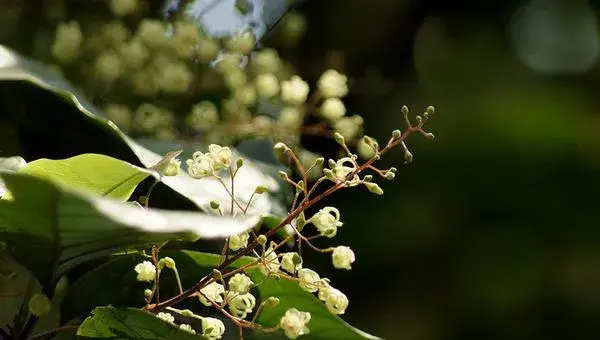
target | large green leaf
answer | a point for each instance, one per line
(99, 174)
(92, 290)
(131, 324)
(50, 229)
(100, 135)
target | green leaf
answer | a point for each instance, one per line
(129, 323)
(91, 291)
(100, 174)
(101, 135)
(50, 229)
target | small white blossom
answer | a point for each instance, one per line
(108, 66)
(237, 242)
(240, 283)
(173, 167)
(240, 304)
(294, 323)
(365, 151)
(212, 328)
(349, 127)
(335, 301)
(212, 292)
(204, 114)
(187, 328)
(332, 109)
(294, 91)
(270, 263)
(290, 118)
(333, 84)
(291, 262)
(267, 85)
(146, 271)
(342, 257)
(309, 280)
(175, 77)
(327, 220)
(220, 155)
(201, 166)
(266, 61)
(67, 41)
(344, 167)
(165, 317)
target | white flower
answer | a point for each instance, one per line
(237, 242)
(342, 257)
(201, 166)
(349, 127)
(290, 117)
(240, 304)
(309, 280)
(67, 41)
(327, 220)
(220, 155)
(212, 328)
(173, 167)
(294, 323)
(240, 283)
(333, 109)
(266, 61)
(343, 167)
(270, 263)
(211, 293)
(187, 328)
(267, 85)
(165, 317)
(335, 301)
(204, 114)
(294, 91)
(146, 271)
(333, 84)
(291, 262)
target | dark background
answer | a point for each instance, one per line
(493, 232)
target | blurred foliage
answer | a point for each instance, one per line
(493, 232)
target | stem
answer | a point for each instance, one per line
(302, 207)
(232, 174)
(229, 193)
(147, 200)
(178, 280)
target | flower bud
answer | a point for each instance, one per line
(430, 110)
(408, 156)
(267, 85)
(333, 84)
(291, 262)
(319, 161)
(239, 163)
(294, 91)
(271, 301)
(405, 110)
(173, 167)
(216, 274)
(261, 239)
(148, 293)
(300, 221)
(261, 189)
(396, 134)
(283, 175)
(169, 262)
(368, 178)
(390, 175)
(429, 135)
(215, 205)
(374, 188)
